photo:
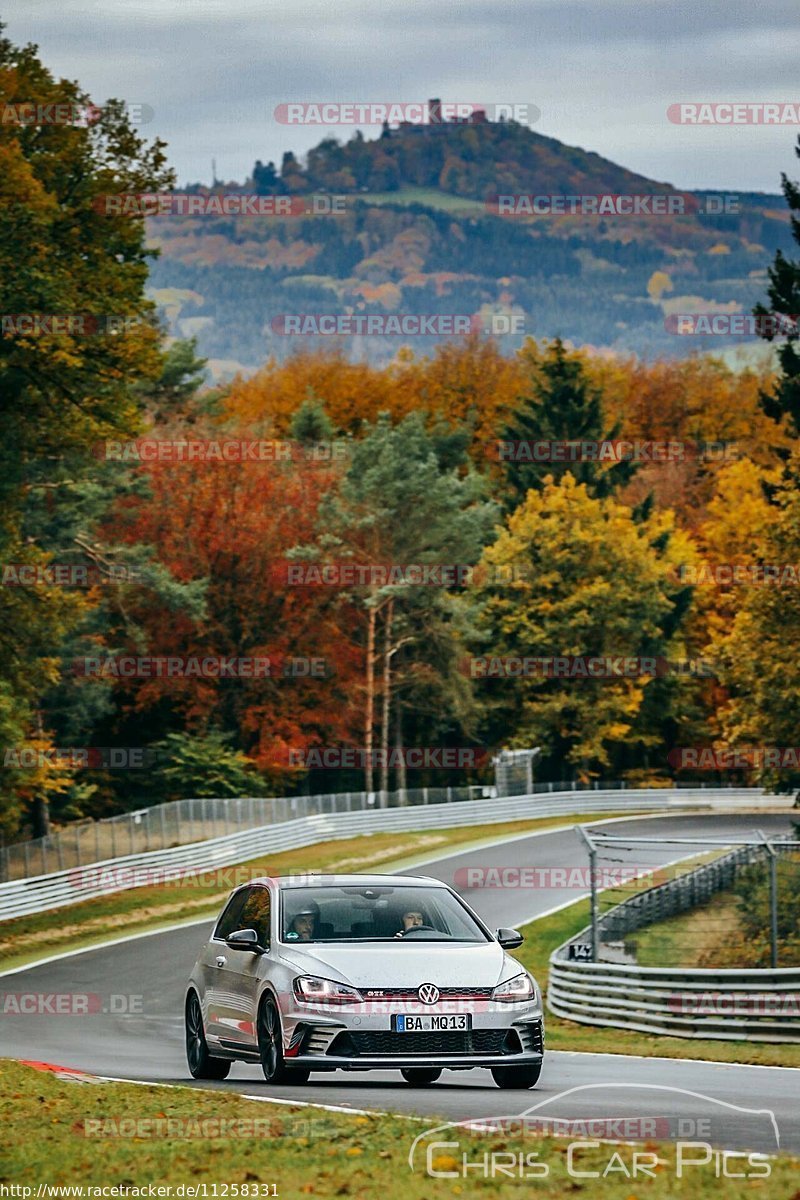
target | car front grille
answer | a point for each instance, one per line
(446, 993)
(386, 1042)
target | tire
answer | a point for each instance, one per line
(517, 1077)
(201, 1064)
(270, 1047)
(420, 1076)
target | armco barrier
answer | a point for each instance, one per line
(39, 894)
(756, 1004)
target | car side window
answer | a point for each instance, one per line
(255, 914)
(229, 921)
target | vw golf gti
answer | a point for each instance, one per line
(359, 973)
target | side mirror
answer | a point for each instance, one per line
(509, 939)
(244, 939)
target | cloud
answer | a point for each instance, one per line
(603, 72)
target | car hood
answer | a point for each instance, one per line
(386, 964)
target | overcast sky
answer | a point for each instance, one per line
(602, 72)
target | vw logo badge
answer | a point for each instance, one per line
(428, 993)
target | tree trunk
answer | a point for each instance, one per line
(387, 702)
(398, 742)
(41, 816)
(370, 713)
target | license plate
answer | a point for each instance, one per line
(431, 1023)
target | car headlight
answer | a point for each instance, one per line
(515, 990)
(312, 989)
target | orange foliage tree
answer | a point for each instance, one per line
(233, 525)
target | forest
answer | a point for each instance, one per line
(324, 554)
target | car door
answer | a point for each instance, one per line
(239, 973)
(213, 961)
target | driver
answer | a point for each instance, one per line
(413, 919)
(303, 924)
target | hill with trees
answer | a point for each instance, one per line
(419, 232)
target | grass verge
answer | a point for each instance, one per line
(689, 938)
(59, 1132)
(26, 939)
(544, 935)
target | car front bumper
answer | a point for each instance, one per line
(499, 1037)
(313, 1062)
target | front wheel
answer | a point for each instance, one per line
(270, 1046)
(201, 1064)
(420, 1076)
(517, 1077)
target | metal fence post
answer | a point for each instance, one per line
(592, 886)
(773, 899)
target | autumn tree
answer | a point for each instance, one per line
(230, 526)
(63, 387)
(398, 506)
(757, 652)
(574, 576)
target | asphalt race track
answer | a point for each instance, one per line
(148, 1045)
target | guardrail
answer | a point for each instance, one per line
(758, 1005)
(181, 822)
(750, 1004)
(38, 894)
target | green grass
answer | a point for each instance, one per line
(58, 1132)
(26, 939)
(543, 936)
(684, 940)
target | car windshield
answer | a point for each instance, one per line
(375, 913)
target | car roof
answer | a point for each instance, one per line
(324, 880)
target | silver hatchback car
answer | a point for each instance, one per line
(359, 973)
